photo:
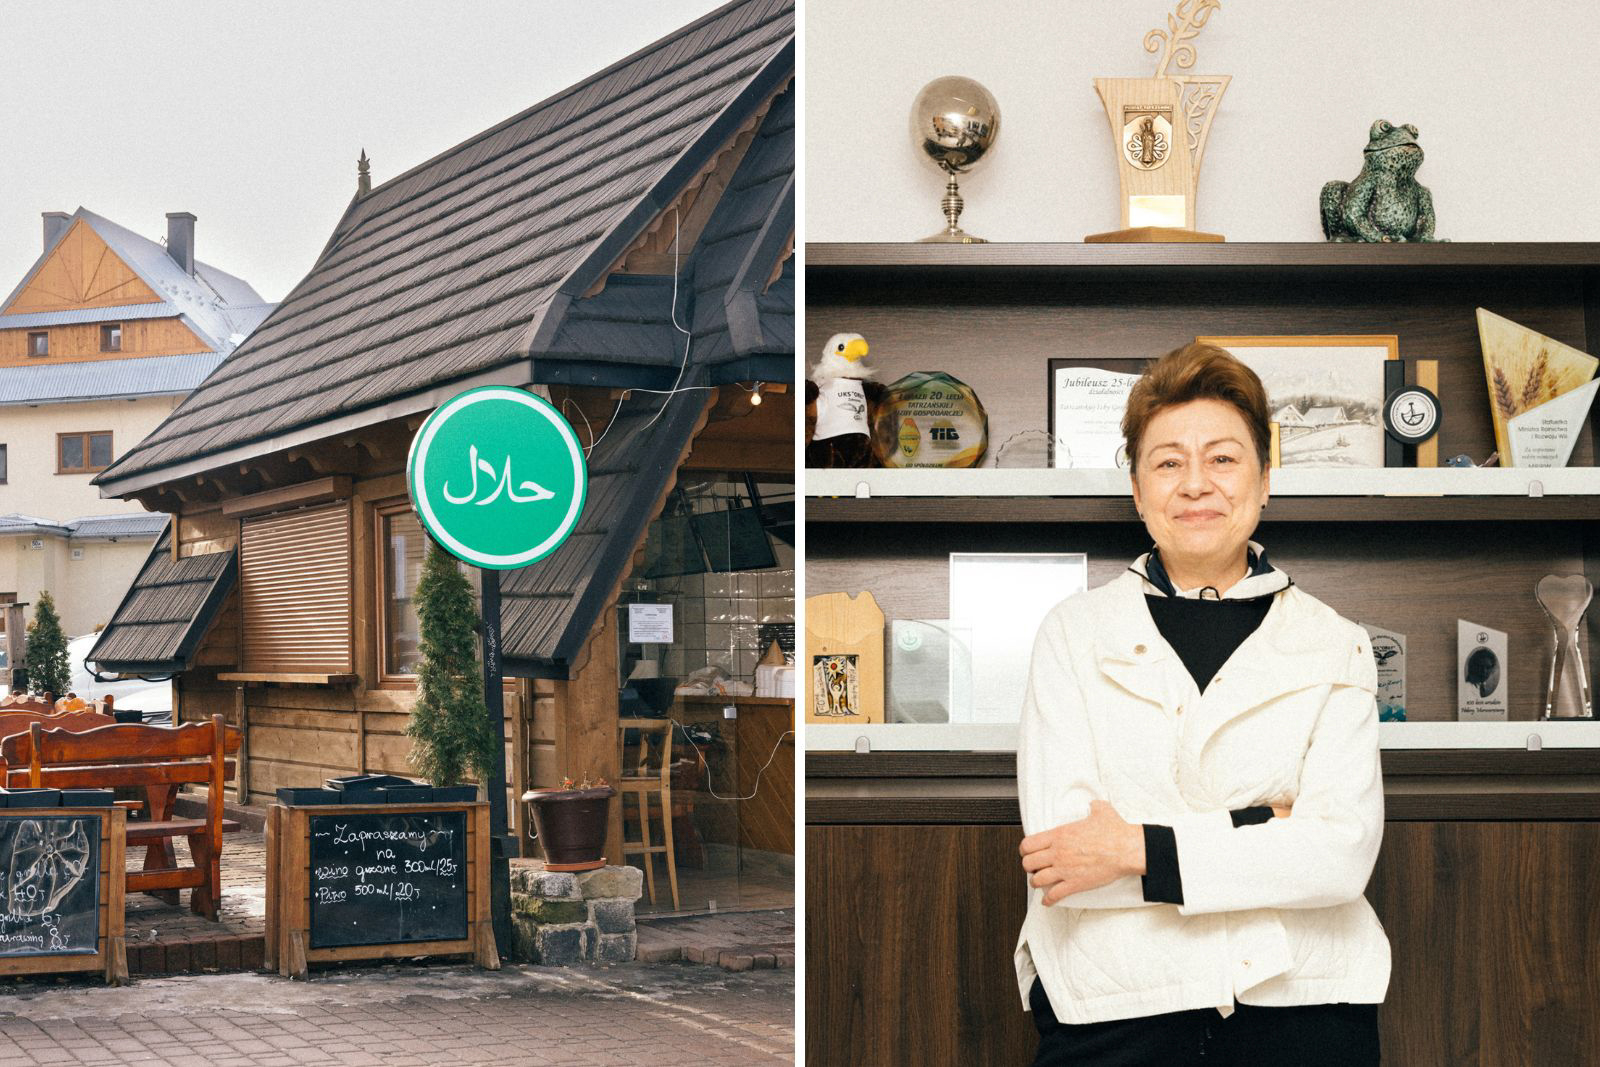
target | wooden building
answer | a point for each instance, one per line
(99, 341)
(625, 248)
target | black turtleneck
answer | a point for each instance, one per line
(1204, 633)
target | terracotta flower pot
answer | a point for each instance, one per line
(571, 825)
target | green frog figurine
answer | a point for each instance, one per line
(1385, 202)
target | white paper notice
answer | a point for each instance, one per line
(1089, 403)
(650, 624)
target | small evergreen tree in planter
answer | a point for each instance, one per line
(48, 670)
(449, 725)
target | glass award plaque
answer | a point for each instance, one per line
(1389, 650)
(1564, 598)
(1482, 676)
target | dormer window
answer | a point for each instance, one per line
(39, 344)
(111, 337)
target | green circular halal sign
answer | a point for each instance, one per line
(497, 477)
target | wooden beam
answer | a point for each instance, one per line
(586, 722)
(336, 487)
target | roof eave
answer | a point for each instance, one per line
(762, 86)
(514, 373)
(652, 482)
(742, 299)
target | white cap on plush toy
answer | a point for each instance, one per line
(841, 358)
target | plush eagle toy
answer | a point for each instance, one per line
(839, 400)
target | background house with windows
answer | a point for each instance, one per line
(99, 341)
(625, 248)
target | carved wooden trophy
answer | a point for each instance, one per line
(1160, 126)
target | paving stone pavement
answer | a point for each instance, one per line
(399, 1015)
(736, 941)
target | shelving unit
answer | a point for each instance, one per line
(1406, 548)
(925, 824)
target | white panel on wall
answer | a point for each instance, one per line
(1501, 97)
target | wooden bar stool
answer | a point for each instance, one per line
(650, 774)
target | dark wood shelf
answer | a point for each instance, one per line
(981, 801)
(1282, 509)
(1396, 762)
(1256, 255)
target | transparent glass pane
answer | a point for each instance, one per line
(71, 453)
(100, 450)
(727, 573)
(403, 546)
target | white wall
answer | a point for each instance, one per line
(1502, 95)
(86, 591)
(29, 433)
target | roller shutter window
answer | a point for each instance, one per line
(294, 579)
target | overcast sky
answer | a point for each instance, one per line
(251, 115)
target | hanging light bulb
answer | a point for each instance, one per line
(755, 395)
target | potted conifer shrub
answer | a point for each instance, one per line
(46, 659)
(449, 726)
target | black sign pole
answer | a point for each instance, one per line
(494, 698)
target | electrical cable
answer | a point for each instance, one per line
(707, 764)
(677, 256)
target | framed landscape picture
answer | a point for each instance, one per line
(1325, 393)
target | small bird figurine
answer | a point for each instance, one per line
(839, 401)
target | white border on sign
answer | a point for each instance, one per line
(417, 462)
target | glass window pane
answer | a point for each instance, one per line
(100, 450)
(403, 546)
(2, 464)
(72, 453)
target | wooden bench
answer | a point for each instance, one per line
(15, 720)
(24, 702)
(160, 759)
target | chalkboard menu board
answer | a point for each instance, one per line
(49, 885)
(381, 879)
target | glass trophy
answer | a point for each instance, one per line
(1565, 598)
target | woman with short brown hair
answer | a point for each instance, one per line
(1198, 774)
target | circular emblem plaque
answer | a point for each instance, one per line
(497, 476)
(1411, 414)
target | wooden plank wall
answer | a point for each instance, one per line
(82, 272)
(300, 735)
(80, 342)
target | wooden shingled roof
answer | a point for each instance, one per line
(166, 612)
(548, 609)
(448, 274)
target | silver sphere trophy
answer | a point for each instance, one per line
(954, 123)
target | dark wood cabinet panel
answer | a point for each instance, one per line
(1495, 931)
(909, 935)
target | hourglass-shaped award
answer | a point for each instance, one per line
(1564, 598)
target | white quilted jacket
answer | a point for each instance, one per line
(1273, 913)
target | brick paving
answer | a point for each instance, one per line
(170, 939)
(409, 1016)
(739, 941)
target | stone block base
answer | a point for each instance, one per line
(564, 918)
